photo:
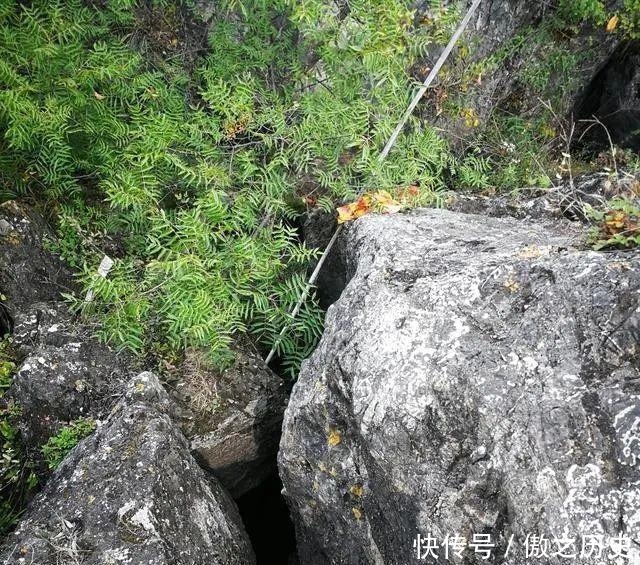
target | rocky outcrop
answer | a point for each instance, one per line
(131, 493)
(526, 52)
(65, 375)
(233, 418)
(570, 199)
(478, 377)
(28, 272)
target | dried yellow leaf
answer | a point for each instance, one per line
(334, 438)
(356, 490)
(380, 201)
(612, 24)
(511, 284)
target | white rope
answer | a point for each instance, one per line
(427, 81)
(383, 155)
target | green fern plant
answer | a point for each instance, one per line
(58, 446)
(192, 183)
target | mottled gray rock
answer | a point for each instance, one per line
(570, 199)
(65, 374)
(28, 272)
(477, 376)
(233, 418)
(131, 493)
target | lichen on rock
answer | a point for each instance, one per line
(483, 376)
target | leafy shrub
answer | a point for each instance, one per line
(616, 226)
(191, 182)
(57, 446)
(631, 18)
(578, 11)
(204, 251)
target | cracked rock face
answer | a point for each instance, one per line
(65, 375)
(233, 418)
(477, 376)
(132, 493)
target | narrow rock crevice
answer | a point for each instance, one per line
(266, 519)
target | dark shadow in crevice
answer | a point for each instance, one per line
(6, 321)
(613, 97)
(266, 519)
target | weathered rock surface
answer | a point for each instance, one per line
(569, 199)
(517, 33)
(28, 272)
(64, 376)
(64, 373)
(132, 493)
(477, 376)
(233, 418)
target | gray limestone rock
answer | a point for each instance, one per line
(233, 418)
(478, 376)
(132, 493)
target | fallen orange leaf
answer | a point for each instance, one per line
(380, 201)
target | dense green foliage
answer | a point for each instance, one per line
(578, 11)
(192, 177)
(194, 180)
(202, 250)
(57, 446)
(631, 18)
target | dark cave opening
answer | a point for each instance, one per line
(613, 98)
(267, 521)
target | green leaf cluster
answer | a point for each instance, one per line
(616, 225)
(17, 477)
(193, 182)
(58, 446)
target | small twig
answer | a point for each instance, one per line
(568, 140)
(596, 122)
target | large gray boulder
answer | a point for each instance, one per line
(132, 493)
(478, 376)
(65, 375)
(233, 417)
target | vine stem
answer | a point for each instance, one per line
(383, 155)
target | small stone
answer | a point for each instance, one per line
(5, 227)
